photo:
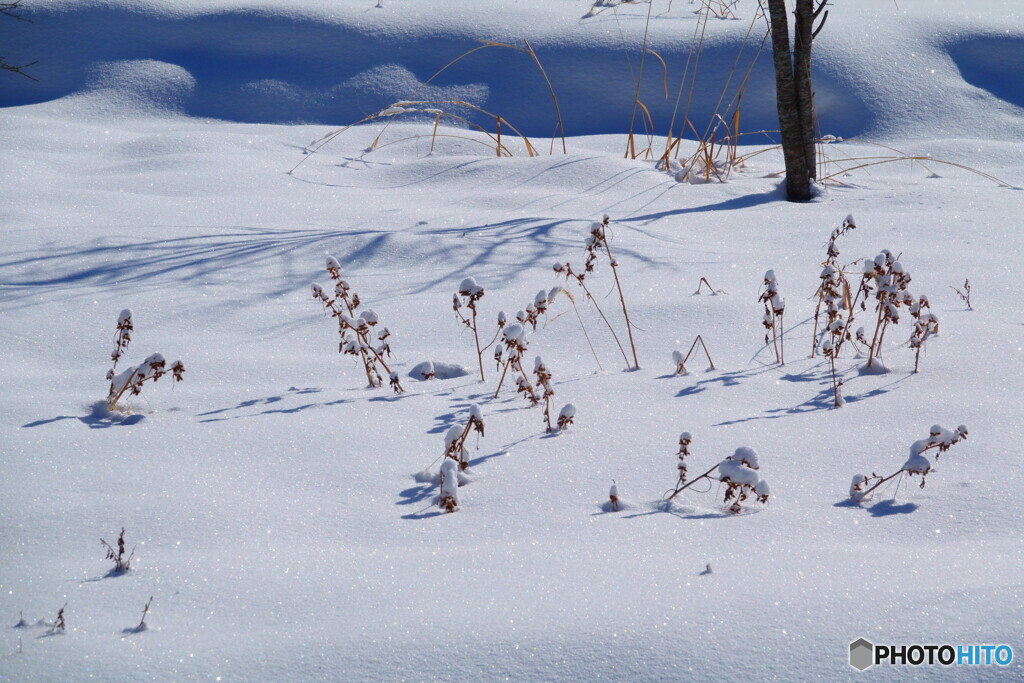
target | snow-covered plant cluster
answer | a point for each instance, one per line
(595, 243)
(685, 439)
(515, 342)
(130, 380)
(468, 295)
(613, 497)
(449, 496)
(886, 280)
(833, 292)
(890, 281)
(455, 437)
(774, 308)
(938, 439)
(926, 324)
(738, 472)
(565, 416)
(454, 460)
(540, 370)
(359, 333)
(538, 307)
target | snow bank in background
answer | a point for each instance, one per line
(145, 85)
(334, 63)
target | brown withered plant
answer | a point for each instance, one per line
(774, 308)
(544, 382)
(964, 294)
(121, 563)
(59, 624)
(680, 360)
(359, 334)
(938, 439)
(738, 472)
(469, 295)
(926, 324)
(834, 280)
(130, 380)
(455, 438)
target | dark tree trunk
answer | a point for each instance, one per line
(794, 94)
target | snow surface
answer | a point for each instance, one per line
(280, 527)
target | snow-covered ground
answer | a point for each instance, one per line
(280, 526)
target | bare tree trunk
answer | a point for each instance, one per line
(794, 94)
(803, 38)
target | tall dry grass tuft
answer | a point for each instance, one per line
(442, 109)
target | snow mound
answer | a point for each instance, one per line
(440, 370)
(145, 85)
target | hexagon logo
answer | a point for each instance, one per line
(862, 654)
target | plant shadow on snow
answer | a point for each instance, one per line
(416, 494)
(270, 400)
(99, 417)
(883, 508)
(202, 258)
(422, 493)
(726, 379)
(668, 508)
(823, 400)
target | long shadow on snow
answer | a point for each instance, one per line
(99, 417)
(884, 508)
(667, 508)
(734, 204)
(823, 400)
(269, 400)
(203, 257)
(726, 379)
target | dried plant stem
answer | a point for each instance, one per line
(775, 345)
(622, 300)
(836, 383)
(703, 346)
(583, 327)
(849, 318)
(610, 328)
(145, 611)
(528, 50)
(501, 380)
(864, 495)
(115, 397)
(433, 136)
(706, 475)
(631, 152)
(554, 98)
(876, 339)
(479, 353)
(876, 161)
